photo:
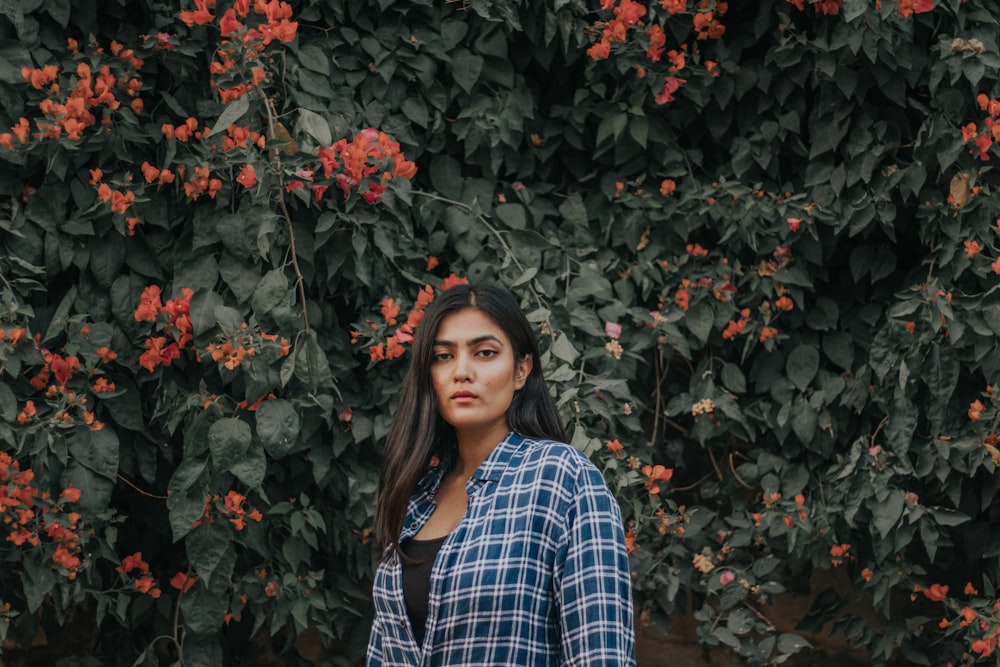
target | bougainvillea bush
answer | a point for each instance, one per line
(759, 241)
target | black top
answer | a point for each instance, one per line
(417, 564)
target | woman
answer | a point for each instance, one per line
(501, 545)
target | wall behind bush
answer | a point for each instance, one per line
(759, 243)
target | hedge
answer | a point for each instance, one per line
(759, 243)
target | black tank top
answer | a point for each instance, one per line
(417, 580)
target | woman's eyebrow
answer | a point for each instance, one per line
(471, 342)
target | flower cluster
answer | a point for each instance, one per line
(983, 138)
(231, 352)
(33, 519)
(172, 318)
(137, 569)
(364, 165)
(75, 97)
(236, 513)
(391, 345)
(628, 15)
(247, 29)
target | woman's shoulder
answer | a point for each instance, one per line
(555, 459)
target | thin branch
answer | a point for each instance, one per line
(276, 163)
(138, 490)
(715, 464)
(739, 479)
(759, 614)
(691, 486)
(878, 429)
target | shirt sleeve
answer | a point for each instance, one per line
(592, 584)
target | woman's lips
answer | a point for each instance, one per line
(463, 397)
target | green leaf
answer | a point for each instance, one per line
(228, 440)
(251, 468)
(315, 59)
(512, 215)
(316, 126)
(699, 320)
(311, 364)
(270, 291)
(12, 10)
(8, 403)
(466, 70)
(95, 489)
(801, 366)
(277, 426)
(903, 416)
(96, 450)
(232, 112)
(886, 513)
(205, 547)
(564, 349)
(446, 176)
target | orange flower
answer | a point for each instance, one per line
(28, 413)
(667, 186)
(432, 263)
(768, 333)
(867, 574)
(182, 582)
(976, 409)
(654, 474)
(248, 176)
(682, 298)
(71, 494)
(451, 281)
(695, 250)
(615, 447)
(784, 303)
(389, 310)
(630, 541)
(972, 248)
(936, 592)
(149, 304)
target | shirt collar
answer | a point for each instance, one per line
(489, 470)
(493, 467)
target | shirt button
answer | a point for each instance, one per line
(414, 525)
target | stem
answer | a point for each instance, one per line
(276, 163)
(138, 490)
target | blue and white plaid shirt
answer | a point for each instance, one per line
(536, 573)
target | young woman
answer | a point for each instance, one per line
(501, 544)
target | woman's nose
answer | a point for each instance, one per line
(462, 366)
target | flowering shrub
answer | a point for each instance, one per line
(757, 240)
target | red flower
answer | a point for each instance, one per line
(229, 24)
(181, 581)
(670, 86)
(936, 592)
(200, 15)
(452, 280)
(248, 176)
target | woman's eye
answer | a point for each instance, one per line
(487, 353)
(442, 356)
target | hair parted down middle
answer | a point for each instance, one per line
(418, 433)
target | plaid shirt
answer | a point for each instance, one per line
(536, 573)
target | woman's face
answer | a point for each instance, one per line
(475, 374)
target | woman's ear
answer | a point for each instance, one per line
(522, 370)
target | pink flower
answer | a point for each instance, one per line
(346, 415)
(613, 330)
(726, 577)
(793, 224)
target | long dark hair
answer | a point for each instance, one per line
(418, 432)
